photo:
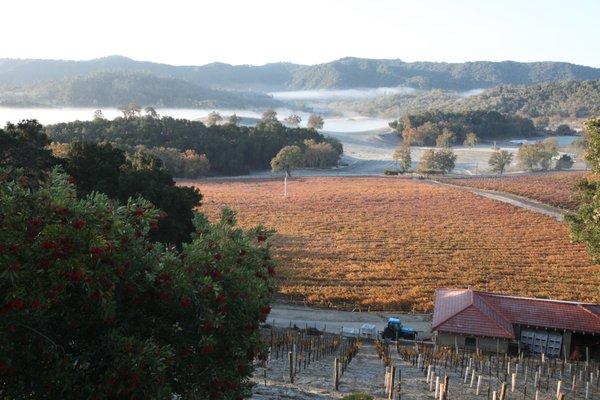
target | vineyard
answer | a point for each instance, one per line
(555, 189)
(387, 243)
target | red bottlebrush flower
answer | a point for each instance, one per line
(261, 238)
(71, 180)
(78, 224)
(139, 212)
(96, 251)
(35, 305)
(135, 378)
(35, 222)
(17, 304)
(215, 274)
(14, 248)
(109, 320)
(75, 275)
(241, 368)
(164, 296)
(207, 326)
(207, 349)
(271, 271)
(220, 298)
(154, 225)
(185, 302)
(48, 245)
(265, 310)
(218, 256)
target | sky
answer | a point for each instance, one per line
(256, 32)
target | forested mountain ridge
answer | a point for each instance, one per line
(344, 73)
(554, 101)
(116, 88)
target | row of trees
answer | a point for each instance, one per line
(444, 129)
(230, 149)
(92, 306)
(531, 156)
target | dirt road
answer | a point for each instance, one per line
(512, 199)
(283, 315)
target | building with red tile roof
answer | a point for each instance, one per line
(496, 322)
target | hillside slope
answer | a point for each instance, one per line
(104, 89)
(343, 73)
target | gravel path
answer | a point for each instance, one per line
(512, 199)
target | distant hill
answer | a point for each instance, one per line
(105, 89)
(555, 101)
(343, 73)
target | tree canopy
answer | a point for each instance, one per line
(230, 149)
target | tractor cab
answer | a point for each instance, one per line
(394, 330)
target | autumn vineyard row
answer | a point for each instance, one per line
(387, 243)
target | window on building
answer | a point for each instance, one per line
(470, 341)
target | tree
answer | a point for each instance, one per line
(106, 169)
(564, 130)
(319, 155)
(427, 161)
(529, 156)
(471, 140)
(130, 110)
(315, 122)
(402, 157)
(194, 165)
(24, 146)
(564, 162)
(537, 155)
(437, 161)
(445, 139)
(288, 158)
(548, 150)
(233, 119)
(213, 118)
(98, 114)
(151, 112)
(92, 309)
(591, 134)
(499, 160)
(444, 160)
(293, 120)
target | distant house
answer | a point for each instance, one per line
(492, 322)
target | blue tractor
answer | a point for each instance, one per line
(394, 330)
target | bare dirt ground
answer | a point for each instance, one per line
(366, 374)
(284, 315)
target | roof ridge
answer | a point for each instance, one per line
(498, 311)
(453, 315)
(597, 317)
(512, 334)
(572, 302)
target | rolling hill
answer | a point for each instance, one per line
(343, 73)
(105, 89)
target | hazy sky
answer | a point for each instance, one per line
(303, 31)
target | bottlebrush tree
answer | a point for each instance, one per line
(91, 309)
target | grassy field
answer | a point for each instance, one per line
(388, 243)
(554, 188)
